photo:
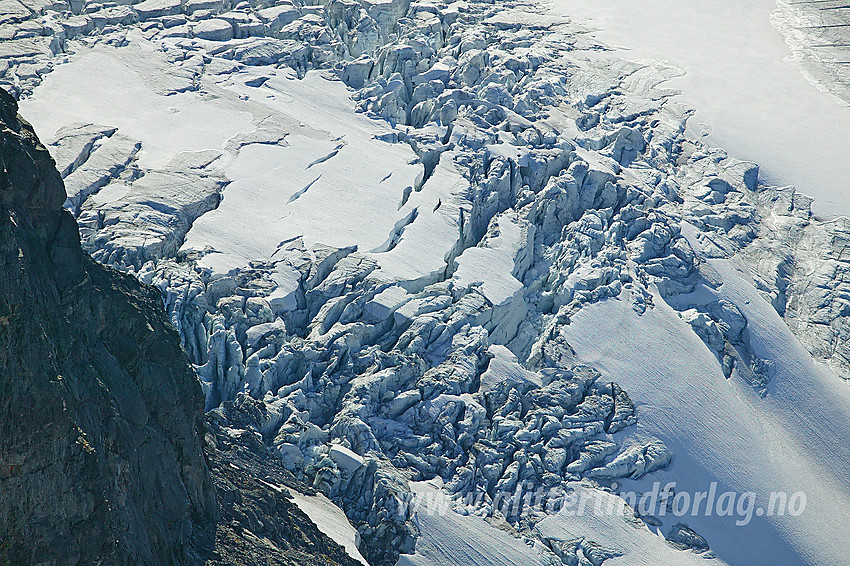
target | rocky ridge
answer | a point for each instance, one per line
(115, 394)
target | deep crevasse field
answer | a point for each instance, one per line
(403, 271)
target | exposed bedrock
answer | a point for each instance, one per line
(102, 431)
(102, 421)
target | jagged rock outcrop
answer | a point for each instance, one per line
(102, 431)
(261, 524)
(101, 421)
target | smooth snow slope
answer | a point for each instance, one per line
(639, 544)
(451, 539)
(721, 430)
(301, 161)
(748, 98)
(331, 520)
(114, 87)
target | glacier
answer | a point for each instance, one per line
(464, 248)
(751, 88)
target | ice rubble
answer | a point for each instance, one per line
(385, 276)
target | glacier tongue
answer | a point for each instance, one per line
(387, 232)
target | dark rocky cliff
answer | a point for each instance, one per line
(102, 432)
(100, 420)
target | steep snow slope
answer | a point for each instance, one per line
(466, 540)
(720, 430)
(749, 97)
(331, 521)
(456, 539)
(637, 544)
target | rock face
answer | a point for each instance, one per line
(101, 418)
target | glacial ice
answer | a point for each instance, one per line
(381, 227)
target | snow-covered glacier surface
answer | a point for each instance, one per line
(462, 252)
(770, 81)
